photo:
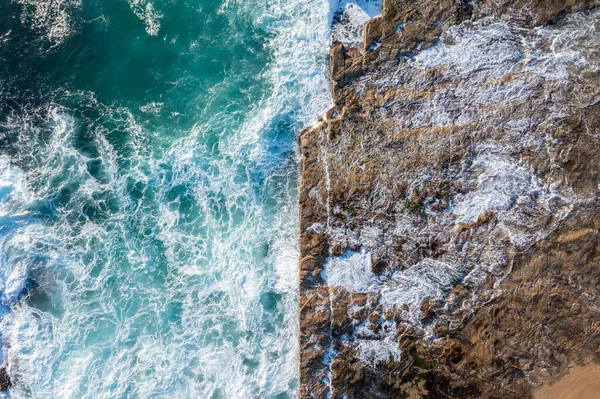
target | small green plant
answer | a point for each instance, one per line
(415, 206)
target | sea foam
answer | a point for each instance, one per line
(169, 272)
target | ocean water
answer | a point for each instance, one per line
(148, 194)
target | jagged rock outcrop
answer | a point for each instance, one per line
(450, 213)
(5, 380)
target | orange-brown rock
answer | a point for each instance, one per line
(449, 204)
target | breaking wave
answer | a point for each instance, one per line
(142, 259)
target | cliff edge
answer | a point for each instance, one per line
(449, 204)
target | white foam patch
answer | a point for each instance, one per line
(13, 188)
(52, 18)
(372, 8)
(14, 243)
(429, 278)
(465, 54)
(349, 30)
(377, 352)
(432, 113)
(493, 50)
(350, 271)
(152, 108)
(573, 47)
(146, 12)
(499, 182)
(13, 281)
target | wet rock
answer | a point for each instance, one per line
(5, 381)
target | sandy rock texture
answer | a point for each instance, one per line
(449, 205)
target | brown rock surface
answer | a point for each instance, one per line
(449, 207)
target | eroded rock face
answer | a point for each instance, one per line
(450, 215)
(5, 381)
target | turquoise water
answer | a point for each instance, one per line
(148, 194)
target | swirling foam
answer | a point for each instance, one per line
(170, 273)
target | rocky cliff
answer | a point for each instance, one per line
(449, 205)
